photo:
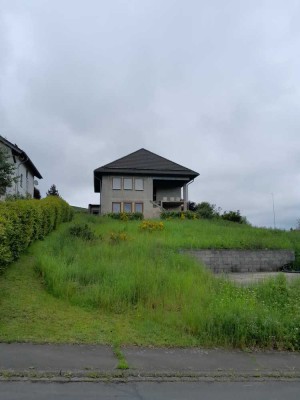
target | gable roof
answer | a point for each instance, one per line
(21, 153)
(143, 162)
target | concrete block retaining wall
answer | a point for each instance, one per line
(222, 261)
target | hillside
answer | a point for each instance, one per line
(130, 280)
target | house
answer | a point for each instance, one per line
(25, 170)
(143, 182)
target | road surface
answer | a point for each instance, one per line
(151, 391)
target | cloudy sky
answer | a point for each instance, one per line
(213, 85)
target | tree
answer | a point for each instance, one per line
(7, 170)
(207, 210)
(52, 191)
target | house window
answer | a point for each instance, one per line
(116, 207)
(127, 182)
(139, 184)
(21, 180)
(138, 207)
(116, 183)
(127, 207)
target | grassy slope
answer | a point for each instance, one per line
(141, 291)
(28, 313)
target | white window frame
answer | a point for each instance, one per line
(139, 187)
(116, 186)
(127, 184)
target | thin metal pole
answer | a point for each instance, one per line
(273, 211)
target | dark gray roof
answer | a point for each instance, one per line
(143, 162)
(21, 153)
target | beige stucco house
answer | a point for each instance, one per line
(143, 182)
(25, 170)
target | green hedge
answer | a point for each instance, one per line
(24, 221)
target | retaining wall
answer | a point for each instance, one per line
(222, 261)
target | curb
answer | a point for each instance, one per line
(138, 376)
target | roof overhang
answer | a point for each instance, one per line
(16, 151)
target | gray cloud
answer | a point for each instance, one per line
(212, 85)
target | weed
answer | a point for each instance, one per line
(82, 231)
(120, 356)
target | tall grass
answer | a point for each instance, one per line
(144, 274)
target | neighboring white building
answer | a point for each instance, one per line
(25, 170)
(143, 182)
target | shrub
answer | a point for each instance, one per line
(24, 221)
(206, 210)
(123, 216)
(234, 216)
(117, 237)
(151, 226)
(82, 231)
(178, 214)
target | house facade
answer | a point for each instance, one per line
(143, 182)
(25, 170)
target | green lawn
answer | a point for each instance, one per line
(130, 286)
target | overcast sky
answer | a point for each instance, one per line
(213, 85)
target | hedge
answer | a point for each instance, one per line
(24, 221)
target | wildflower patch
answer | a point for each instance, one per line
(150, 226)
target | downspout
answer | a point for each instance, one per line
(187, 191)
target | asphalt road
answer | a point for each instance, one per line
(274, 390)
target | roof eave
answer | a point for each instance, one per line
(19, 152)
(144, 172)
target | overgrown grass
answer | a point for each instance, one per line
(142, 276)
(28, 313)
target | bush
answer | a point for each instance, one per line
(82, 231)
(123, 216)
(206, 210)
(234, 216)
(117, 237)
(24, 221)
(178, 215)
(151, 226)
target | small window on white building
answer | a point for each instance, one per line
(21, 180)
(116, 183)
(116, 207)
(127, 207)
(127, 183)
(139, 184)
(138, 207)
